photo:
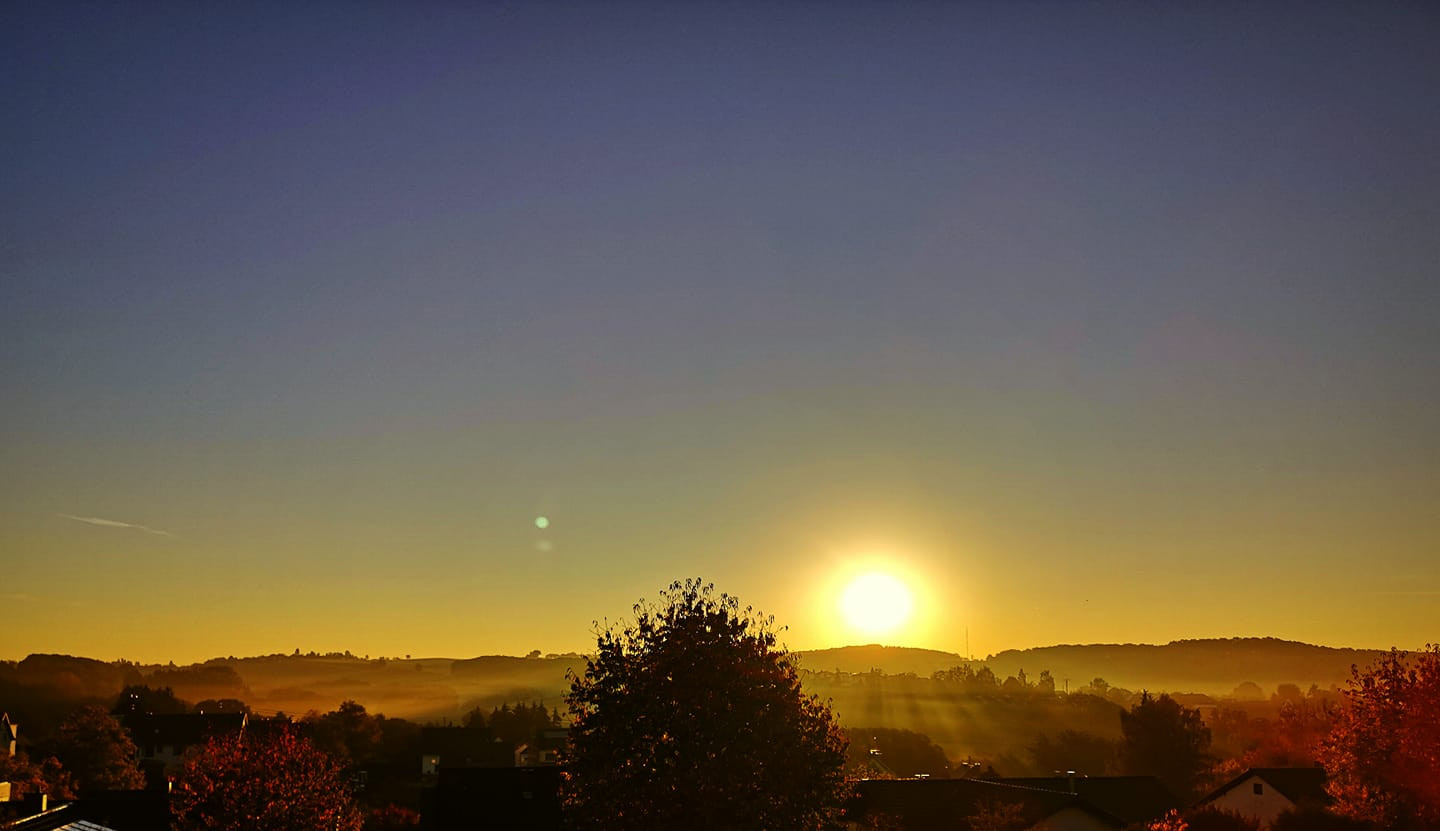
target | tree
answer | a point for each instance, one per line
(27, 777)
(222, 705)
(997, 816)
(1165, 740)
(1083, 753)
(899, 752)
(138, 699)
(98, 752)
(692, 717)
(280, 782)
(1383, 753)
(348, 732)
(519, 724)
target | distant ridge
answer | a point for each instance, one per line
(1213, 665)
(892, 660)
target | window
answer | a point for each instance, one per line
(1259, 789)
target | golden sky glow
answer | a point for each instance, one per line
(1103, 324)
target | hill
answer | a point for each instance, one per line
(1214, 665)
(891, 660)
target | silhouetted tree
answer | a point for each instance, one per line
(348, 732)
(280, 782)
(222, 705)
(139, 699)
(1383, 754)
(519, 724)
(1287, 693)
(1073, 750)
(692, 717)
(1165, 740)
(900, 752)
(97, 751)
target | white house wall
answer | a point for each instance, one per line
(1242, 799)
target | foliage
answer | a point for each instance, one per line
(208, 680)
(27, 777)
(1083, 753)
(1383, 754)
(98, 752)
(139, 699)
(692, 717)
(1160, 738)
(348, 732)
(1211, 818)
(391, 818)
(1172, 821)
(222, 705)
(514, 725)
(245, 783)
(899, 752)
(997, 816)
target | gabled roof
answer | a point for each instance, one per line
(181, 729)
(1299, 785)
(466, 746)
(924, 804)
(1130, 798)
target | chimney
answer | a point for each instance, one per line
(35, 803)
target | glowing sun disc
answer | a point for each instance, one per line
(876, 603)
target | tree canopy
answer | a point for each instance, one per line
(1383, 753)
(278, 782)
(691, 716)
(98, 752)
(1165, 740)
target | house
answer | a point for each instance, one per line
(544, 750)
(103, 811)
(926, 804)
(1265, 793)
(460, 747)
(1131, 799)
(9, 731)
(161, 739)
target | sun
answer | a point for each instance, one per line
(876, 603)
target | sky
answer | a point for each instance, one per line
(1101, 322)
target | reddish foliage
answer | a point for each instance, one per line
(1383, 755)
(280, 782)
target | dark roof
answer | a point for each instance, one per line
(180, 729)
(1299, 785)
(924, 804)
(466, 746)
(1129, 798)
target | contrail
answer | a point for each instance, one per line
(110, 523)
